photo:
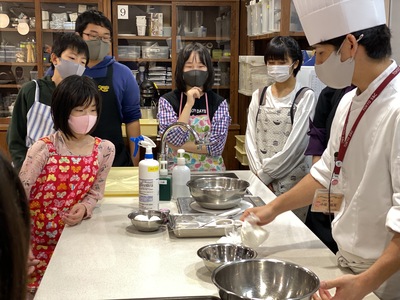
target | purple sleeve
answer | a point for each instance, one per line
(219, 130)
(166, 116)
(317, 144)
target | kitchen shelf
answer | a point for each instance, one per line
(142, 38)
(204, 38)
(271, 35)
(144, 60)
(10, 86)
(61, 30)
(15, 30)
(18, 64)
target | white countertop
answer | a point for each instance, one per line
(107, 258)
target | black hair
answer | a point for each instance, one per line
(205, 59)
(71, 92)
(376, 41)
(282, 48)
(14, 233)
(70, 40)
(92, 16)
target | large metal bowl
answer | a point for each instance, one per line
(215, 255)
(264, 279)
(217, 192)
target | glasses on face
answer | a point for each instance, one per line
(95, 37)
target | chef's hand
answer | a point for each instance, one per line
(265, 213)
(193, 94)
(32, 262)
(75, 215)
(348, 287)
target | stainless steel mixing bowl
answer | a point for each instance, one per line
(215, 255)
(146, 224)
(217, 192)
(264, 279)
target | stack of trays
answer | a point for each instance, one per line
(158, 75)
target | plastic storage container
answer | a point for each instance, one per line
(155, 51)
(252, 74)
(129, 52)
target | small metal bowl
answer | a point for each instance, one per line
(217, 192)
(264, 279)
(215, 255)
(147, 225)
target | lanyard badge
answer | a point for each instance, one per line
(345, 141)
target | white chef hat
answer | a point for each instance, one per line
(323, 20)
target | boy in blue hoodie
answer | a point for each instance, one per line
(116, 83)
(118, 87)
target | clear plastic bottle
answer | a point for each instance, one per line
(180, 176)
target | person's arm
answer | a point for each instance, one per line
(166, 116)
(96, 192)
(299, 196)
(218, 134)
(36, 159)
(17, 130)
(128, 95)
(280, 164)
(250, 137)
(356, 287)
(133, 130)
(219, 130)
(191, 96)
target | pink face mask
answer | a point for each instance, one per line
(82, 124)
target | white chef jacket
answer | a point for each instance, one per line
(279, 165)
(370, 175)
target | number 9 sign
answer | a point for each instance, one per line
(123, 12)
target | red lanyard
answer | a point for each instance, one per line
(344, 142)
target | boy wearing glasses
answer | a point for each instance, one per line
(118, 87)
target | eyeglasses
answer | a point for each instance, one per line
(94, 37)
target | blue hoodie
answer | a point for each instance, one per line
(125, 87)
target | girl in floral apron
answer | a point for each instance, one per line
(277, 123)
(64, 174)
(194, 103)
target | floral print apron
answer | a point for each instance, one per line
(64, 181)
(196, 161)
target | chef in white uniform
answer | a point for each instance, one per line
(358, 176)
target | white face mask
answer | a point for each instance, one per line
(280, 73)
(335, 73)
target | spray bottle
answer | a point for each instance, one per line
(180, 176)
(148, 174)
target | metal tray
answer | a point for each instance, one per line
(188, 225)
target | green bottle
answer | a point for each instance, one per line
(165, 182)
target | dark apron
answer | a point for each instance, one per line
(110, 122)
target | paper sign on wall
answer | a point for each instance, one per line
(123, 12)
